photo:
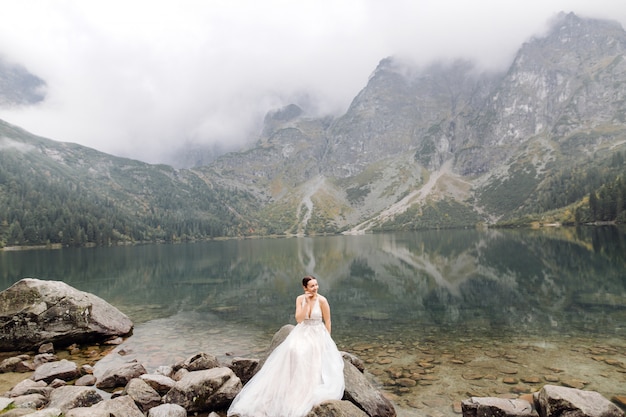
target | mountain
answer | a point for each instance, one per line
(18, 86)
(447, 145)
(63, 193)
(442, 145)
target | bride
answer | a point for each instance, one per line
(304, 370)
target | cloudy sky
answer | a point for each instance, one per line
(138, 78)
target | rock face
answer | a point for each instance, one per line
(550, 401)
(555, 401)
(33, 312)
(205, 390)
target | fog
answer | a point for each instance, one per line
(142, 78)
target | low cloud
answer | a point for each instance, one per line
(140, 78)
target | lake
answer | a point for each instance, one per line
(458, 312)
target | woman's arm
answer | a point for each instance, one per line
(325, 312)
(300, 308)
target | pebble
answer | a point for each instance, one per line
(619, 400)
(614, 362)
(574, 383)
(406, 382)
(521, 389)
(472, 376)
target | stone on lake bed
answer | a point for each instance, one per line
(531, 380)
(406, 382)
(472, 376)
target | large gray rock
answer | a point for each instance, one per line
(198, 362)
(123, 406)
(362, 393)
(556, 401)
(33, 312)
(119, 377)
(4, 403)
(497, 407)
(63, 369)
(277, 339)
(205, 390)
(47, 412)
(28, 386)
(336, 408)
(160, 383)
(87, 412)
(244, 368)
(34, 401)
(143, 394)
(167, 410)
(69, 396)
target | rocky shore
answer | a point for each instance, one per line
(199, 385)
(55, 384)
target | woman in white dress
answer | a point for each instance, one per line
(304, 370)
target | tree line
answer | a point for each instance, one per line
(599, 188)
(48, 209)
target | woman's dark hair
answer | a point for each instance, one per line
(305, 280)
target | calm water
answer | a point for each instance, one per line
(434, 289)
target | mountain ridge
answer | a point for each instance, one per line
(442, 145)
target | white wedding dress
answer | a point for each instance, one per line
(304, 370)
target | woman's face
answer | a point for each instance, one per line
(311, 286)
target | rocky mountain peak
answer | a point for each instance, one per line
(18, 86)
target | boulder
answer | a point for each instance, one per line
(4, 403)
(34, 312)
(85, 381)
(167, 410)
(123, 406)
(336, 408)
(198, 362)
(206, 390)
(18, 412)
(46, 412)
(160, 383)
(143, 394)
(28, 386)
(34, 401)
(497, 407)
(87, 412)
(119, 377)
(244, 368)
(63, 369)
(354, 360)
(554, 401)
(11, 364)
(362, 393)
(277, 339)
(69, 396)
